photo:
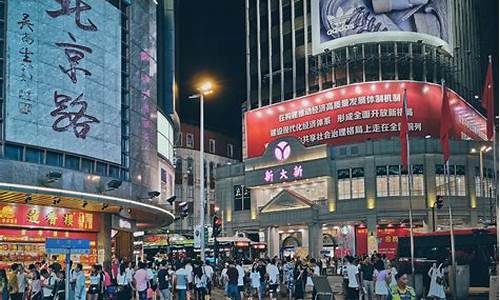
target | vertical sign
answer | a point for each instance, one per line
(63, 86)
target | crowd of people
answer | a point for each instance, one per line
(366, 277)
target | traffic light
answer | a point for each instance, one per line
(439, 201)
(216, 225)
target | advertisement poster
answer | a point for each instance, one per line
(359, 112)
(339, 23)
(63, 83)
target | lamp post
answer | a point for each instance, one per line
(483, 149)
(204, 89)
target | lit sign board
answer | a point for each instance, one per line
(63, 88)
(358, 112)
(340, 23)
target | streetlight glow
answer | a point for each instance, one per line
(483, 148)
(206, 88)
(473, 150)
(487, 149)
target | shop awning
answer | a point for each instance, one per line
(145, 214)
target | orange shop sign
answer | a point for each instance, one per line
(32, 216)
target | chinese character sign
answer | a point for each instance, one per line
(64, 76)
(356, 113)
(47, 217)
(294, 172)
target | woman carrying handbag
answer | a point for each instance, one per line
(436, 289)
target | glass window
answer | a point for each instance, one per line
(358, 187)
(189, 140)
(54, 159)
(34, 155)
(178, 171)
(72, 162)
(100, 169)
(230, 150)
(344, 189)
(394, 182)
(13, 152)
(87, 165)
(114, 171)
(211, 145)
(163, 175)
(190, 170)
(382, 190)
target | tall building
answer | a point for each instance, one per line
(86, 119)
(322, 116)
(220, 150)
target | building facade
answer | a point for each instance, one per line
(220, 150)
(79, 123)
(321, 122)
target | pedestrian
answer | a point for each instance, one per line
(255, 282)
(13, 283)
(262, 271)
(80, 293)
(402, 291)
(200, 281)
(21, 281)
(300, 278)
(189, 270)
(436, 289)
(36, 285)
(382, 277)
(232, 282)
(241, 278)
(48, 283)
(223, 278)
(209, 271)
(123, 282)
(273, 277)
(394, 272)
(141, 281)
(353, 282)
(181, 281)
(95, 283)
(367, 269)
(164, 281)
(60, 286)
(4, 284)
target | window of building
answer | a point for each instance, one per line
(34, 155)
(211, 145)
(351, 183)
(189, 140)
(241, 198)
(393, 181)
(54, 159)
(178, 191)
(178, 171)
(181, 142)
(487, 188)
(190, 171)
(190, 192)
(382, 179)
(13, 152)
(114, 171)
(457, 180)
(87, 165)
(163, 176)
(229, 150)
(100, 169)
(72, 162)
(211, 172)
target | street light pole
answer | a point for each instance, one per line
(202, 179)
(205, 89)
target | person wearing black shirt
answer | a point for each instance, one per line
(367, 269)
(164, 281)
(261, 268)
(232, 288)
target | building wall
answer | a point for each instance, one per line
(468, 210)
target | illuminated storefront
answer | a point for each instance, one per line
(323, 170)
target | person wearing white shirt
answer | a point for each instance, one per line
(241, 277)
(255, 281)
(352, 279)
(273, 274)
(209, 271)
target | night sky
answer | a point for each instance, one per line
(211, 44)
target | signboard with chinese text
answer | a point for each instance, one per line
(388, 240)
(358, 112)
(60, 246)
(31, 216)
(340, 23)
(63, 88)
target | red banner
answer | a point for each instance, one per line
(46, 217)
(358, 112)
(388, 240)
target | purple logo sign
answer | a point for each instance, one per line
(282, 151)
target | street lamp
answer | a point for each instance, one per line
(204, 89)
(482, 191)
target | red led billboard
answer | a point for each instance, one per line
(358, 112)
